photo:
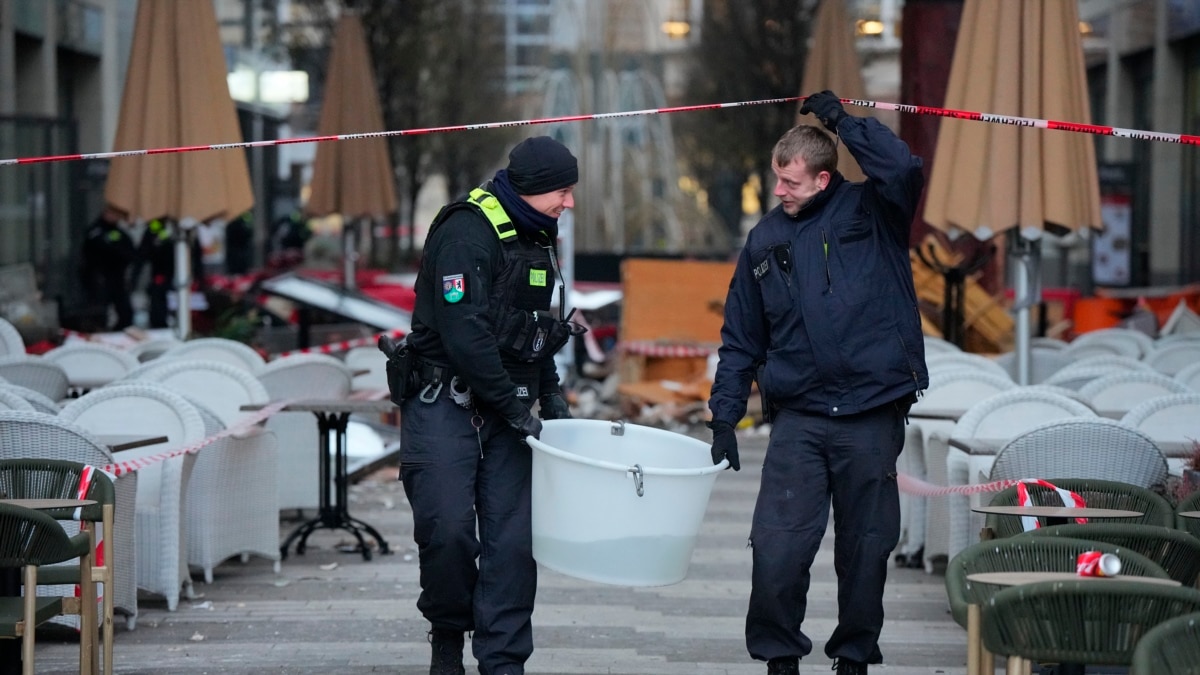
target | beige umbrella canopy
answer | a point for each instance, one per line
(352, 178)
(176, 94)
(1020, 58)
(832, 64)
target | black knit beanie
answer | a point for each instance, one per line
(541, 164)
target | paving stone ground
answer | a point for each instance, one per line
(332, 612)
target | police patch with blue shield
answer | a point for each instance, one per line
(454, 288)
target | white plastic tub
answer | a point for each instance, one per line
(589, 520)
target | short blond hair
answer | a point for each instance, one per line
(809, 143)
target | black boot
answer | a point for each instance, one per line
(848, 667)
(447, 652)
(784, 665)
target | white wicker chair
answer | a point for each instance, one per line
(1075, 377)
(218, 349)
(371, 360)
(294, 377)
(924, 454)
(1114, 395)
(34, 434)
(999, 417)
(91, 364)
(981, 364)
(937, 345)
(1086, 447)
(149, 350)
(34, 372)
(232, 508)
(163, 485)
(220, 387)
(1120, 341)
(1061, 391)
(1043, 362)
(1110, 361)
(38, 400)
(10, 400)
(1190, 376)
(1043, 342)
(1171, 358)
(11, 342)
(1169, 421)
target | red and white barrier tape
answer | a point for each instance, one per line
(650, 348)
(342, 346)
(1077, 127)
(918, 487)
(243, 425)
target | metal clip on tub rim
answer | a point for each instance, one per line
(618, 428)
(638, 479)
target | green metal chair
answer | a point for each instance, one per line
(1084, 621)
(29, 540)
(1107, 494)
(1020, 554)
(1189, 525)
(60, 479)
(1170, 648)
(1176, 552)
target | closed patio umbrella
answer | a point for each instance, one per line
(352, 178)
(832, 63)
(176, 94)
(1020, 58)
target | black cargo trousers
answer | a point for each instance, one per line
(812, 460)
(464, 470)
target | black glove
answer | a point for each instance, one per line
(826, 107)
(527, 425)
(724, 445)
(554, 407)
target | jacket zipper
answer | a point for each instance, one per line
(828, 274)
(562, 292)
(908, 362)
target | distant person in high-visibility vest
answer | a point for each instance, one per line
(107, 253)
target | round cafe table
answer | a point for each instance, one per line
(46, 504)
(1189, 514)
(978, 659)
(1056, 515)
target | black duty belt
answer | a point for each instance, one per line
(431, 377)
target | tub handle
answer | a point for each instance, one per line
(618, 428)
(638, 481)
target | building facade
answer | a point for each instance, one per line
(1143, 60)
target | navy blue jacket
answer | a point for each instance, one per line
(825, 298)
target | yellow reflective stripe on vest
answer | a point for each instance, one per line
(494, 212)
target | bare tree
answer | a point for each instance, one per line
(436, 65)
(749, 50)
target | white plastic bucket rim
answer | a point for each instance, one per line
(627, 468)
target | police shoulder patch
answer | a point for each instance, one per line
(454, 288)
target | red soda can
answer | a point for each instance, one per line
(1097, 564)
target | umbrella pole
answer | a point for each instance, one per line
(1024, 258)
(183, 282)
(349, 253)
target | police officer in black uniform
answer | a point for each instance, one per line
(107, 253)
(822, 311)
(157, 250)
(481, 355)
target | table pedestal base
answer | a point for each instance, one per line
(333, 513)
